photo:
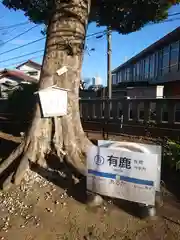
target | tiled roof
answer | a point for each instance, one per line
(17, 74)
(31, 63)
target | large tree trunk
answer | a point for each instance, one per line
(64, 47)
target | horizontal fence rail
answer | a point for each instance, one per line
(154, 117)
(159, 117)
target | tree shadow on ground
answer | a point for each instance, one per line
(131, 208)
(61, 175)
(57, 173)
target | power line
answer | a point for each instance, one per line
(25, 45)
(15, 25)
(6, 60)
(11, 39)
(164, 21)
(24, 55)
(87, 37)
(94, 34)
(21, 56)
(171, 20)
(17, 63)
(8, 32)
(173, 14)
(13, 49)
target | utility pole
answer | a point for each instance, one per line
(109, 51)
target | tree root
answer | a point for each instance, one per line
(23, 166)
(8, 182)
(45, 136)
(14, 155)
(58, 139)
(34, 147)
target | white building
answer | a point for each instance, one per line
(30, 68)
(10, 79)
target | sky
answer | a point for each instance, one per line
(95, 62)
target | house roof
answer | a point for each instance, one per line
(30, 63)
(167, 39)
(17, 74)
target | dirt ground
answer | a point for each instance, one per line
(46, 207)
(41, 210)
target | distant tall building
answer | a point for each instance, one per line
(96, 81)
(93, 81)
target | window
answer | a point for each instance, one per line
(131, 74)
(134, 72)
(152, 66)
(119, 77)
(156, 64)
(160, 63)
(123, 75)
(33, 73)
(165, 60)
(142, 70)
(138, 71)
(165, 63)
(118, 74)
(146, 68)
(128, 74)
(174, 54)
(114, 78)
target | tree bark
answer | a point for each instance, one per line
(64, 47)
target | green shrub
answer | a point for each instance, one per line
(171, 155)
(21, 103)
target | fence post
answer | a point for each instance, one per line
(159, 105)
(171, 111)
(146, 111)
(125, 110)
(107, 116)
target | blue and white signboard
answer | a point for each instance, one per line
(138, 147)
(122, 174)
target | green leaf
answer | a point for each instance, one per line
(122, 16)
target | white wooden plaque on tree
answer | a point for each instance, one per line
(53, 102)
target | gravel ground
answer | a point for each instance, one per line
(55, 209)
(39, 209)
